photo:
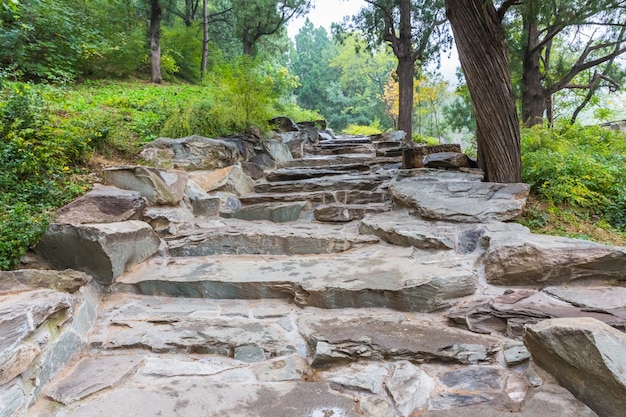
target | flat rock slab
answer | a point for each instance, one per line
(273, 212)
(190, 153)
(405, 230)
(469, 202)
(601, 298)
(587, 357)
(540, 260)
(338, 182)
(338, 281)
(157, 186)
(338, 213)
(292, 174)
(231, 179)
(102, 250)
(103, 205)
(21, 280)
(189, 396)
(510, 313)
(266, 238)
(262, 198)
(325, 161)
(347, 339)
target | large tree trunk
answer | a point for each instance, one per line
(205, 39)
(534, 100)
(479, 39)
(156, 13)
(406, 71)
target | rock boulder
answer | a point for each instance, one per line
(190, 153)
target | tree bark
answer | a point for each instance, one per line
(479, 38)
(534, 98)
(205, 39)
(156, 13)
(406, 71)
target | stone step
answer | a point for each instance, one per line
(325, 161)
(363, 278)
(340, 213)
(338, 149)
(273, 212)
(334, 183)
(318, 197)
(292, 174)
(242, 237)
(179, 357)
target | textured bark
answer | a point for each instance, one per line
(405, 70)
(479, 37)
(156, 13)
(205, 38)
(534, 99)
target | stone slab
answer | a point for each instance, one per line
(338, 182)
(338, 213)
(22, 280)
(103, 205)
(190, 153)
(318, 197)
(322, 281)
(273, 212)
(157, 186)
(293, 174)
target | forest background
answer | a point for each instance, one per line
(86, 82)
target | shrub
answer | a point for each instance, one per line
(583, 167)
(360, 130)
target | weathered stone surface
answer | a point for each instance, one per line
(13, 399)
(321, 281)
(103, 205)
(168, 219)
(545, 401)
(529, 259)
(22, 280)
(269, 239)
(228, 201)
(347, 339)
(231, 179)
(157, 186)
(410, 388)
(278, 151)
(313, 197)
(341, 213)
(473, 202)
(273, 212)
(17, 361)
(190, 153)
(509, 313)
(395, 136)
(102, 250)
(91, 375)
(293, 174)
(253, 170)
(405, 230)
(447, 160)
(202, 203)
(428, 174)
(284, 124)
(587, 357)
(338, 182)
(362, 197)
(597, 298)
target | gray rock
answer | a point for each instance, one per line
(168, 219)
(446, 160)
(13, 399)
(103, 205)
(273, 212)
(284, 124)
(313, 197)
(253, 170)
(474, 202)
(228, 201)
(231, 179)
(190, 153)
(346, 339)
(516, 354)
(341, 213)
(394, 136)
(428, 174)
(529, 259)
(587, 357)
(278, 151)
(284, 368)
(91, 375)
(157, 186)
(362, 197)
(249, 354)
(30, 279)
(338, 182)
(102, 250)
(202, 204)
(268, 239)
(293, 174)
(367, 376)
(410, 388)
(597, 298)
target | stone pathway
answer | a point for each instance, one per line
(342, 286)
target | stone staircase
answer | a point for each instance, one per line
(325, 294)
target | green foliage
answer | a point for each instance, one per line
(360, 130)
(428, 140)
(583, 167)
(37, 161)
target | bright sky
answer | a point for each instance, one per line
(325, 12)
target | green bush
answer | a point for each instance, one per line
(360, 130)
(37, 161)
(583, 167)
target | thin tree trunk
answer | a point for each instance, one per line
(534, 101)
(406, 71)
(479, 38)
(205, 39)
(156, 13)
